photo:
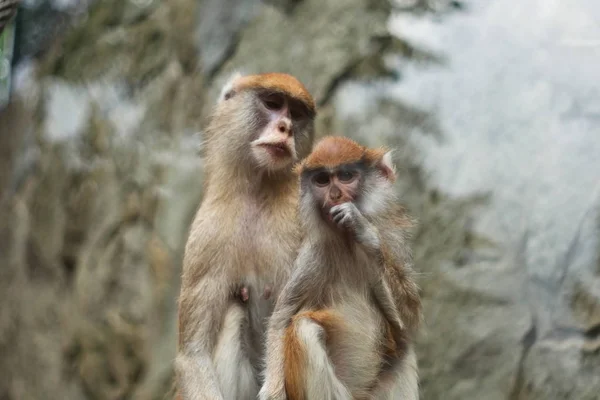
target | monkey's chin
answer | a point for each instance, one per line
(272, 159)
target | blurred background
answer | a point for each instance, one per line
(493, 107)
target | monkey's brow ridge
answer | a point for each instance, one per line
(297, 102)
(355, 165)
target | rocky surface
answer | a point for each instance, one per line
(494, 114)
(519, 108)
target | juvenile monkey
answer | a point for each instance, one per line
(343, 324)
(245, 236)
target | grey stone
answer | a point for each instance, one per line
(517, 130)
(318, 42)
(219, 26)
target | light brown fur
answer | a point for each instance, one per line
(244, 235)
(350, 311)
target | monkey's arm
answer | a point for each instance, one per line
(202, 306)
(397, 295)
(293, 295)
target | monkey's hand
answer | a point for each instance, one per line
(348, 216)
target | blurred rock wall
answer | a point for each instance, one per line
(100, 177)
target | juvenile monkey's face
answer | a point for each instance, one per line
(331, 187)
(283, 130)
(339, 170)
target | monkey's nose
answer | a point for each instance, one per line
(284, 126)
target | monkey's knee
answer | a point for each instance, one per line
(309, 330)
(309, 371)
(409, 377)
(322, 325)
(302, 337)
(232, 330)
(234, 370)
(403, 382)
(312, 331)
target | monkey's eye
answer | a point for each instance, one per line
(345, 176)
(297, 114)
(273, 102)
(297, 111)
(321, 179)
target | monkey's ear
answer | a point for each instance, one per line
(386, 166)
(227, 90)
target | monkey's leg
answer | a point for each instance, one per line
(402, 382)
(310, 374)
(232, 365)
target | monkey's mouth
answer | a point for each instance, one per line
(277, 149)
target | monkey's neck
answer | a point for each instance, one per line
(241, 180)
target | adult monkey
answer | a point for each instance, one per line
(245, 235)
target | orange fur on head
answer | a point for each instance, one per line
(278, 82)
(333, 151)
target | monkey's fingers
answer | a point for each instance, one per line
(342, 217)
(337, 217)
(337, 212)
(340, 220)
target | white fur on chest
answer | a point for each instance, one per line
(363, 336)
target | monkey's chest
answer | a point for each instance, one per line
(265, 251)
(261, 250)
(264, 259)
(357, 355)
